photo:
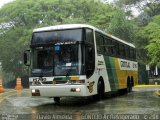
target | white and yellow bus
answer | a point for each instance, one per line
(79, 60)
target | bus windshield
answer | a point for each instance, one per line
(59, 60)
(52, 37)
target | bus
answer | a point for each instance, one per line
(79, 60)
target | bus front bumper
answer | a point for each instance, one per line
(59, 90)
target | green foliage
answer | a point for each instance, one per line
(147, 42)
(146, 35)
(154, 52)
(129, 2)
(152, 31)
(19, 18)
(156, 19)
(143, 19)
(121, 27)
(153, 8)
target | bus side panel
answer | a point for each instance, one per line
(122, 75)
(111, 70)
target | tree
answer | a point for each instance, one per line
(152, 8)
(153, 30)
(143, 19)
(19, 18)
(121, 27)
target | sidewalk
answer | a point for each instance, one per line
(142, 86)
(146, 88)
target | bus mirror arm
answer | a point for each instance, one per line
(26, 57)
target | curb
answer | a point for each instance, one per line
(143, 86)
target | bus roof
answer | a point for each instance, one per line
(74, 26)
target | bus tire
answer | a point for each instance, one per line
(129, 85)
(57, 100)
(100, 90)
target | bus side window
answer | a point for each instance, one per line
(114, 48)
(129, 53)
(89, 53)
(100, 43)
(134, 57)
(110, 47)
(89, 36)
(122, 49)
(127, 49)
(106, 47)
(132, 54)
(124, 52)
(117, 49)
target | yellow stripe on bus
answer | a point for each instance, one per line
(122, 75)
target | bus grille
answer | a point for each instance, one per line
(56, 82)
(47, 82)
(61, 81)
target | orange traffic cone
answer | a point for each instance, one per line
(1, 87)
(18, 84)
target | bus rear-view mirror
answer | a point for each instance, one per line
(26, 57)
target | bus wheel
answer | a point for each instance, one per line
(57, 100)
(100, 90)
(129, 85)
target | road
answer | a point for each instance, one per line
(19, 104)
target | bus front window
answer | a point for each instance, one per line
(59, 60)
